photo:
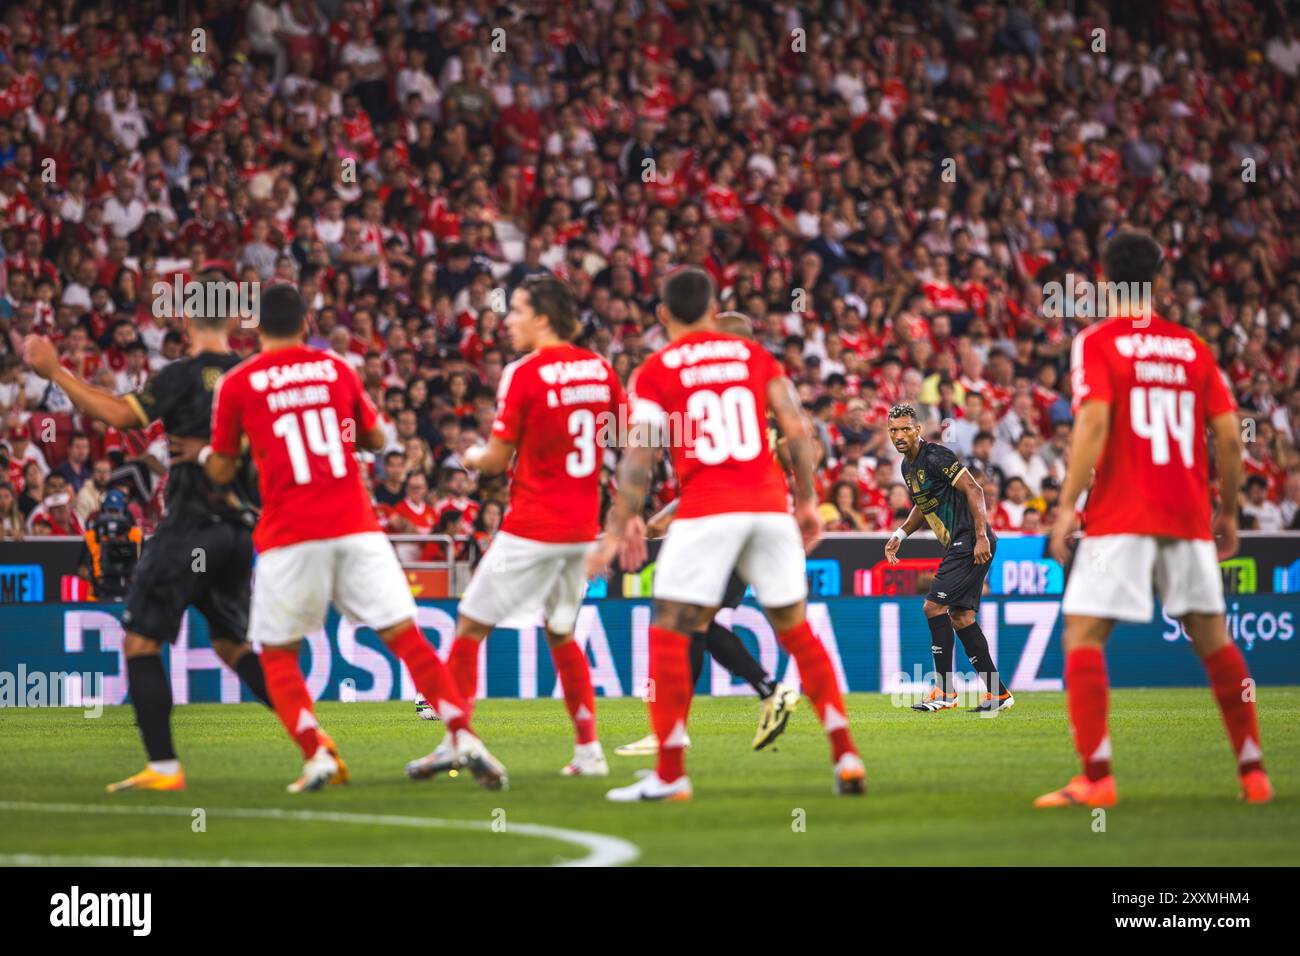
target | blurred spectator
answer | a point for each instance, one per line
(1265, 514)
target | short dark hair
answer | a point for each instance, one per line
(903, 410)
(552, 298)
(687, 294)
(1132, 256)
(282, 312)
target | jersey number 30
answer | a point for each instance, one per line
(727, 425)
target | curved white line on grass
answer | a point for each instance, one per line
(601, 850)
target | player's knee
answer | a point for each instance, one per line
(934, 610)
(137, 645)
(229, 650)
(962, 618)
(1207, 632)
(468, 627)
(554, 640)
(1081, 632)
(680, 618)
(785, 618)
(393, 632)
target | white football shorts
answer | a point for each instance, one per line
(1113, 577)
(294, 585)
(519, 577)
(699, 554)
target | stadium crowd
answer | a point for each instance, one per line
(886, 189)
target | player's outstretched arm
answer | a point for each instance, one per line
(624, 528)
(975, 501)
(911, 524)
(1091, 428)
(1226, 431)
(783, 402)
(40, 353)
(221, 468)
(490, 459)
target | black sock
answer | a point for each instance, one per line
(249, 669)
(151, 696)
(941, 646)
(977, 649)
(698, 640)
(730, 651)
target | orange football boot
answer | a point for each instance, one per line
(1256, 788)
(1082, 792)
(148, 779)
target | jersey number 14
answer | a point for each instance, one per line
(320, 426)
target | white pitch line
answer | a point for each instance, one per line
(601, 850)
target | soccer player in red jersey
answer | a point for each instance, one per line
(1144, 390)
(304, 413)
(734, 513)
(558, 412)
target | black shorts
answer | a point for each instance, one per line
(959, 582)
(735, 592)
(208, 566)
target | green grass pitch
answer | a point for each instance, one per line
(950, 788)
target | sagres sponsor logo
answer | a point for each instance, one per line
(278, 376)
(1081, 297)
(74, 909)
(28, 688)
(208, 300)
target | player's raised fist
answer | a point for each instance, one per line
(41, 355)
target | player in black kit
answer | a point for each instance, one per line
(946, 497)
(201, 553)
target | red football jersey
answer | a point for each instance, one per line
(301, 410)
(1163, 387)
(555, 404)
(708, 392)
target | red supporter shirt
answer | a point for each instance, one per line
(715, 385)
(555, 404)
(301, 410)
(1163, 387)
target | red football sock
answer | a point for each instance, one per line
(1228, 676)
(463, 664)
(1087, 696)
(432, 678)
(817, 675)
(579, 697)
(290, 697)
(670, 698)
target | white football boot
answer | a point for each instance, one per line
(443, 759)
(588, 761)
(473, 756)
(647, 746)
(650, 787)
(316, 772)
